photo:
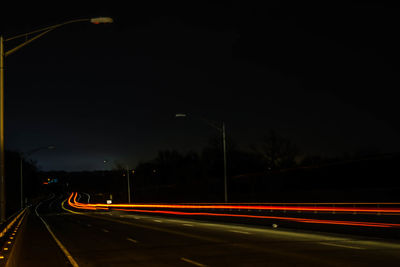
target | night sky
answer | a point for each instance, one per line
(324, 76)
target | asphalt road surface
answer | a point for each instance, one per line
(124, 239)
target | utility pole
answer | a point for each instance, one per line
(225, 174)
(2, 162)
(129, 185)
(21, 183)
(39, 33)
(222, 130)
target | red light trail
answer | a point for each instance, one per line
(237, 207)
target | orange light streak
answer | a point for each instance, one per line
(249, 207)
(133, 208)
(303, 220)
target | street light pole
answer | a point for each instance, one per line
(129, 185)
(222, 130)
(2, 163)
(225, 174)
(21, 182)
(39, 33)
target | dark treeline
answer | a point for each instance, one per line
(272, 171)
(199, 177)
(31, 181)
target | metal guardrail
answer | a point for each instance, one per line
(13, 222)
(10, 222)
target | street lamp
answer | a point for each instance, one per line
(37, 34)
(222, 130)
(128, 185)
(29, 153)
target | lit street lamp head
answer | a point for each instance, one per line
(180, 115)
(39, 33)
(101, 20)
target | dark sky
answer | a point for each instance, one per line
(325, 76)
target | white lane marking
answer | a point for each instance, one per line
(129, 216)
(51, 203)
(240, 232)
(187, 224)
(157, 221)
(105, 230)
(379, 244)
(64, 208)
(51, 197)
(132, 240)
(62, 247)
(340, 245)
(193, 262)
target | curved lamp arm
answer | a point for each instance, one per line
(38, 149)
(207, 121)
(45, 30)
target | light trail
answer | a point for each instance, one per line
(261, 207)
(134, 208)
(303, 220)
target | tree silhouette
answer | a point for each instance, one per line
(276, 151)
(31, 183)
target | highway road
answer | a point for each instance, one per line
(126, 239)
